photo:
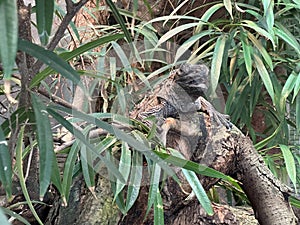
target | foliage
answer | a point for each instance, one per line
(245, 50)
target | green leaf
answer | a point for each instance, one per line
(19, 166)
(68, 171)
(254, 26)
(288, 37)
(264, 75)
(16, 118)
(289, 163)
(3, 218)
(192, 166)
(196, 187)
(13, 214)
(173, 32)
(76, 52)
(8, 35)
(287, 89)
(135, 180)
(5, 166)
(217, 63)
(298, 113)
(206, 16)
(188, 43)
(141, 147)
(78, 134)
(50, 59)
(261, 50)
(44, 17)
(154, 185)
(124, 167)
(199, 191)
(119, 19)
(228, 6)
(158, 209)
(45, 143)
(247, 51)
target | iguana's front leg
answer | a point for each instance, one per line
(221, 119)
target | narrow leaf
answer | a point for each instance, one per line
(228, 6)
(50, 59)
(261, 50)
(261, 31)
(124, 167)
(44, 17)
(289, 163)
(8, 35)
(288, 37)
(76, 52)
(135, 180)
(154, 185)
(78, 134)
(5, 165)
(298, 113)
(3, 218)
(264, 75)
(119, 19)
(68, 171)
(158, 209)
(247, 51)
(19, 166)
(45, 143)
(217, 63)
(198, 190)
(173, 32)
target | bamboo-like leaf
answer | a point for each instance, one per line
(173, 32)
(287, 89)
(45, 143)
(269, 14)
(3, 218)
(8, 35)
(44, 18)
(217, 63)
(76, 52)
(124, 167)
(119, 19)
(135, 180)
(68, 172)
(199, 191)
(19, 166)
(5, 165)
(261, 31)
(196, 187)
(261, 50)
(206, 16)
(86, 166)
(158, 209)
(247, 51)
(87, 160)
(228, 6)
(297, 87)
(139, 146)
(289, 163)
(288, 37)
(12, 214)
(78, 134)
(264, 75)
(298, 113)
(50, 59)
(16, 118)
(188, 43)
(192, 166)
(154, 186)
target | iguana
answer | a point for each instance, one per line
(180, 96)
